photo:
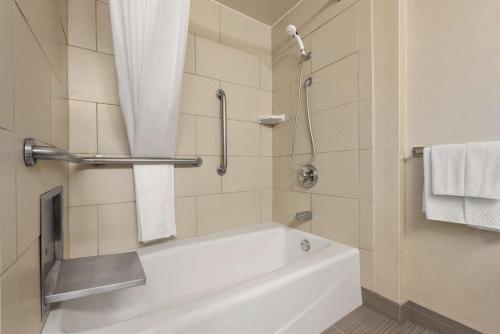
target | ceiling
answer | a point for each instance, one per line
(265, 11)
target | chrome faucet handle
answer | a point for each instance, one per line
(308, 176)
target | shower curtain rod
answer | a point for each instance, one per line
(33, 152)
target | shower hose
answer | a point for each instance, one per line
(306, 84)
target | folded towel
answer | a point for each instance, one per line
(440, 207)
(462, 184)
(448, 169)
(482, 213)
(482, 170)
(154, 197)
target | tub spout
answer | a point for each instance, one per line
(303, 216)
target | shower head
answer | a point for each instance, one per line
(292, 32)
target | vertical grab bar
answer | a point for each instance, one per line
(221, 170)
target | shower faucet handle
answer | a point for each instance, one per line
(308, 176)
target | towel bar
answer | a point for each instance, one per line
(417, 151)
(33, 152)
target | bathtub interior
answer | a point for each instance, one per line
(189, 270)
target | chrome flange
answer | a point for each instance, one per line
(308, 82)
(308, 176)
(29, 159)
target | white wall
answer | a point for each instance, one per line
(453, 77)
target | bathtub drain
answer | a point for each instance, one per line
(306, 246)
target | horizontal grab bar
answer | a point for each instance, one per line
(33, 152)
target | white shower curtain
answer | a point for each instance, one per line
(149, 39)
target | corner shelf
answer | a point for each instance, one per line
(271, 119)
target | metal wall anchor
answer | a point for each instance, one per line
(303, 216)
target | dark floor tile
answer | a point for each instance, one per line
(332, 330)
(415, 329)
(364, 320)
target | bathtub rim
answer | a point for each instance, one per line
(167, 244)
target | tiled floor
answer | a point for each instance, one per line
(366, 321)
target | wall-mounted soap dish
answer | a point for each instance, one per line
(65, 279)
(271, 119)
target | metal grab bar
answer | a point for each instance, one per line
(33, 152)
(221, 170)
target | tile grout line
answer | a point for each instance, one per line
(232, 47)
(65, 33)
(316, 28)
(313, 72)
(46, 58)
(196, 214)
(359, 129)
(97, 231)
(95, 22)
(196, 73)
(195, 53)
(97, 127)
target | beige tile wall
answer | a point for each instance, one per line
(339, 36)
(34, 103)
(99, 213)
(453, 87)
(220, 54)
(388, 204)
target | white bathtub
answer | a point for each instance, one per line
(254, 280)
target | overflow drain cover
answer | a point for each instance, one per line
(306, 246)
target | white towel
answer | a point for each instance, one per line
(448, 169)
(482, 213)
(154, 197)
(461, 184)
(440, 207)
(482, 185)
(482, 170)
